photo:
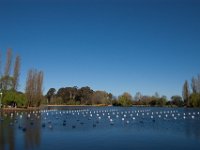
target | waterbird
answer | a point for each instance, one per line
(43, 125)
(141, 122)
(19, 127)
(24, 129)
(64, 123)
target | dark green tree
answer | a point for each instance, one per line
(186, 93)
(14, 98)
(61, 94)
(177, 100)
(68, 94)
(194, 100)
(50, 94)
(161, 101)
(85, 95)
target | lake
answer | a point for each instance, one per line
(100, 128)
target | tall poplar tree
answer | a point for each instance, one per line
(186, 93)
(16, 73)
(34, 87)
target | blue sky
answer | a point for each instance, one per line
(114, 45)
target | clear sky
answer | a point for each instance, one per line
(114, 45)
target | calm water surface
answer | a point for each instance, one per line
(94, 128)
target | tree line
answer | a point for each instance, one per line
(144, 100)
(9, 83)
(78, 96)
(86, 96)
(33, 92)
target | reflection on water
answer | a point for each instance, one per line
(7, 134)
(32, 135)
(26, 122)
(89, 127)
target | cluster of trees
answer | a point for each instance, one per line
(191, 95)
(34, 91)
(154, 100)
(9, 80)
(87, 96)
(9, 84)
(127, 100)
(78, 96)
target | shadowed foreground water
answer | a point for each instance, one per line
(97, 128)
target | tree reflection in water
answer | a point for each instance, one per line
(7, 132)
(12, 125)
(32, 135)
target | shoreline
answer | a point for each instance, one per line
(77, 105)
(20, 109)
(43, 106)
